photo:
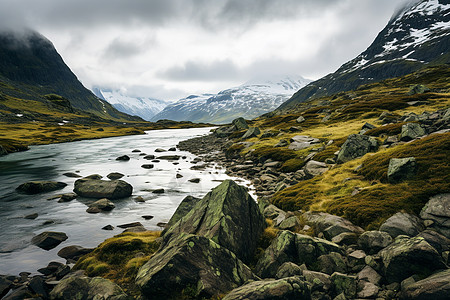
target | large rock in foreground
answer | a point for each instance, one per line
(435, 287)
(356, 146)
(286, 288)
(195, 264)
(92, 188)
(36, 187)
(410, 256)
(228, 215)
(82, 287)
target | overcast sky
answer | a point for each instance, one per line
(169, 49)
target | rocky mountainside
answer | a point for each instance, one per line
(31, 69)
(249, 100)
(415, 37)
(143, 107)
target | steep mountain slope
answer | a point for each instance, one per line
(415, 37)
(143, 107)
(30, 68)
(249, 100)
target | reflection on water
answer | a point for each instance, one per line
(50, 162)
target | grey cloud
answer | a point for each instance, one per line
(195, 71)
(121, 48)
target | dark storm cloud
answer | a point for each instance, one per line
(198, 71)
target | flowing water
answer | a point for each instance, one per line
(50, 162)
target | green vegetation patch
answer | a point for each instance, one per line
(277, 154)
(292, 165)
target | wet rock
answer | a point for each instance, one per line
(115, 175)
(6, 283)
(402, 224)
(123, 158)
(195, 263)
(139, 199)
(129, 225)
(169, 157)
(160, 150)
(401, 169)
(289, 269)
(149, 157)
(114, 189)
(67, 197)
(72, 175)
(49, 239)
(356, 146)
(31, 216)
(437, 210)
(36, 187)
(100, 205)
(136, 229)
(251, 132)
(435, 287)
(408, 256)
(330, 225)
(38, 286)
(228, 215)
(411, 131)
(286, 288)
(73, 252)
(314, 168)
(172, 149)
(374, 241)
(136, 151)
(148, 166)
(108, 227)
(148, 217)
(82, 287)
(94, 177)
(51, 268)
(179, 175)
(20, 293)
(194, 180)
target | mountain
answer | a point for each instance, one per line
(415, 37)
(143, 107)
(32, 69)
(249, 100)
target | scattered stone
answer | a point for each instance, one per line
(409, 256)
(73, 252)
(48, 222)
(289, 269)
(139, 199)
(344, 284)
(282, 143)
(330, 225)
(169, 157)
(194, 180)
(49, 239)
(94, 177)
(239, 124)
(31, 216)
(129, 225)
(367, 290)
(114, 189)
(108, 227)
(356, 146)
(179, 175)
(67, 197)
(402, 224)
(300, 119)
(36, 187)
(411, 131)
(6, 283)
(158, 191)
(286, 288)
(370, 275)
(314, 168)
(330, 263)
(437, 210)
(115, 175)
(401, 169)
(251, 132)
(72, 175)
(100, 205)
(292, 223)
(436, 240)
(418, 89)
(136, 151)
(160, 150)
(148, 217)
(149, 157)
(123, 158)
(172, 149)
(436, 287)
(148, 166)
(345, 238)
(373, 241)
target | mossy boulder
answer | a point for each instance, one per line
(96, 188)
(239, 124)
(36, 187)
(192, 266)
(437, 210)
(373, 241)
(411, 131)
(356, 146)
(228, 215)
(401, 169)
(251, 132)
(410, 256)
(292, 247)
(286, 288)
(185, 207)
(435, 287)
(82, 287)
(289, 269)
(343, 283)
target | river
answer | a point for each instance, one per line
(50, 162)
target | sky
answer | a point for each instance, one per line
(169, 49)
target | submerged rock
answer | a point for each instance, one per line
(49, 239)
(36, 187)
(194, 263)
(100, 205)
(91, 188)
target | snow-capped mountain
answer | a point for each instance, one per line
(249, 100)
(416, 36)
(146, 108)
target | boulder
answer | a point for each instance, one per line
(82, 287)
(401, 169)
(67, 197)
(149, 157)
(299, 142)
(147, 166)
(251, 132)
(374, 241)
(100, 205)
(123, 158)
(130, 225)
(160, 150)
(194, 263)
(36, 187)
(356, 146)
(114, 189)
(73, 252)
(6, 283)
(318, 281)
(289, 269)
(436, 240)
(286, 288)
(291, 223)
(330, 225)
(345, 238)
(169, 157)
(435, 287)
(314, 168)
(72, 175)
(185, 207)
(115, 175)
(292, 247)
(300, 119)
(272, 212)
(437, 210)
(239, 124)
(228, 215)
(330, 263)
(409, 256)
(344, 284)
(370, 275)
(402, 223)
(411, 131)
(194, 180)
(367, 290)
(49, 239)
